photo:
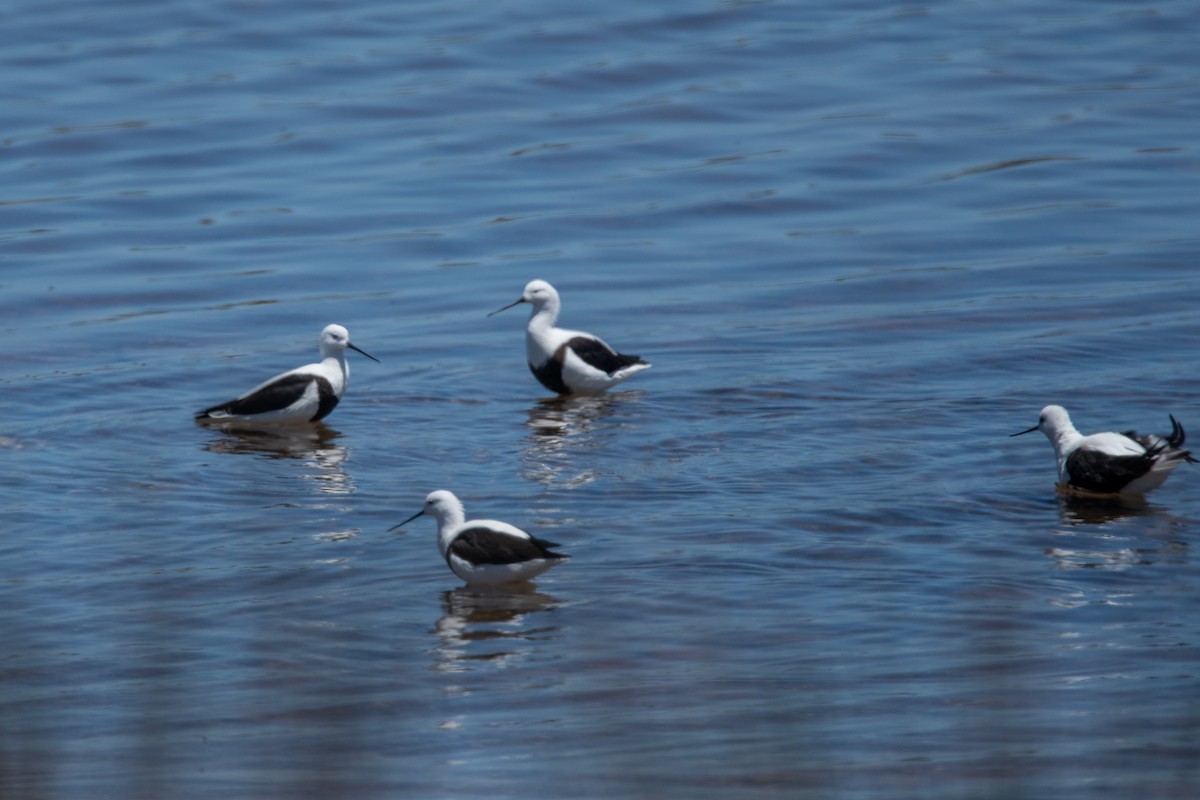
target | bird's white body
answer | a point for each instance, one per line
(1110, 463)
(568, 361)
(304, 394)
(485, 552)
(334, 370)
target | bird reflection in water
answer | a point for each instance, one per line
(491, 626)
(1098, 510)
(1097, 521)
(559, 427)
(312, 444)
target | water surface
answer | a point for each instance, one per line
(860, 244)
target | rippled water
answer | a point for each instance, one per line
(861, 244)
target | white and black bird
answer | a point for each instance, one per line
(1110, 463)
(566, 361)
(304, 394)
(485, 552)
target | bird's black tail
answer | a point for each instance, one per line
(1176, 439)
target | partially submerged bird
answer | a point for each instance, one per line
(304, 394)
(1110, 463)
(485, 552)
(566, 361)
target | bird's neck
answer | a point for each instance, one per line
(1066, 439)
(539, 336)
(543, 318)
(450, 519)
(337, 370)
(1065, 442)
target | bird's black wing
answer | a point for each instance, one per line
(484, 546)
(1158, 443)
(599, 355)
(550, 375)
(276, 395)
(1104, 473)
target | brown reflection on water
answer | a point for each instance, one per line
(312, 444)
(1081, 510)
(491, 626)
(558, 428)
(1092, 523)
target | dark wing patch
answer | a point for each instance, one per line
(546, 545)
(327, 400)
(550, 375)
(1177, 436)
(599, 355)
(1099, 472)
(276, 396)
(1170, 445)
(484, 546)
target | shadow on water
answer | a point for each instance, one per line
(312, 444)
(490, 625)
(561, 426)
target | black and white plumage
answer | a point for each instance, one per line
(304, 394)
(485, 552)
(1110, 463)
(566, 361)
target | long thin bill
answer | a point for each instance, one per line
(510, 305)
(410, 519)
(364, 352)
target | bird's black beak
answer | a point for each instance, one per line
(364, 352)
(1031, 430)
(518, 302)
(410, 519)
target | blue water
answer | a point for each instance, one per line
(860, 243)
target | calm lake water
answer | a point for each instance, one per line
(861, 244)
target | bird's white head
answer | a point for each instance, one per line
(442, 505)
(539, 294)
(1053, 421)
(334, 338)
(334, 341)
